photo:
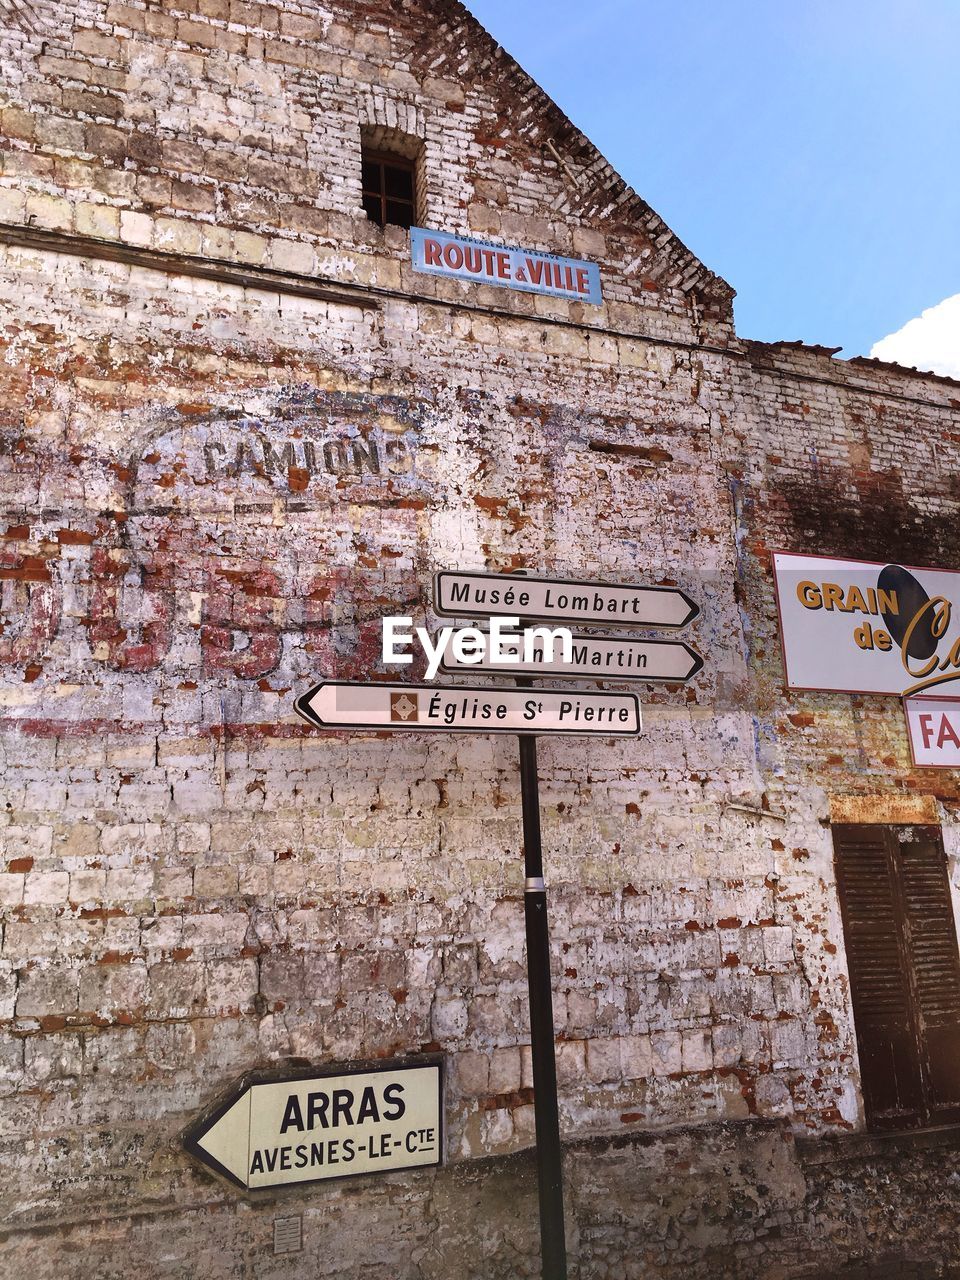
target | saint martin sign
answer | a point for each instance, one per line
(343, 704)
(591, 658)
(281, 1130)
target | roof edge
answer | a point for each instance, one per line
(753, 345)
(615, 195)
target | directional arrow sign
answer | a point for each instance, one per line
(593, 657)
(507, 595)
(304, 1128)
(339, 704)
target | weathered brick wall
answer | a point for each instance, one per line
(211, 496)
(232, 129)
(852, 460)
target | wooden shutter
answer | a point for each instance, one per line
(904, 971)
(879, 981)
(936, 965)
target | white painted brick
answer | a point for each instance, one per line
(46, 888)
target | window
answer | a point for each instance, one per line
(904, 972)
(389, 189)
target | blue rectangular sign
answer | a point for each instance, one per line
(438, 254)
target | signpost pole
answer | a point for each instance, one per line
(549, 1156)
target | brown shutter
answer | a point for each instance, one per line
(904, 971)
(879, 980)
(936, 964)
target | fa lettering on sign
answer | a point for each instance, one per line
(933, 729)
(938, 731)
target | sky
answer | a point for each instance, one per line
(808, 153)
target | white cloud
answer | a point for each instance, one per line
(930, 342)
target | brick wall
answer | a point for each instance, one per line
(211, 495)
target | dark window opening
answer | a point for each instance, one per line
(389, 189)
(904, 972)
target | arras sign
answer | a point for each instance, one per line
(590, 657)
(274, 1130)
(859, 626)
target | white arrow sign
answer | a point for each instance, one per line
(309, 1128)
(592, 657)
(499, 595)
(337, 704)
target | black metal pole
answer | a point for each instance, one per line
(553, 1248)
